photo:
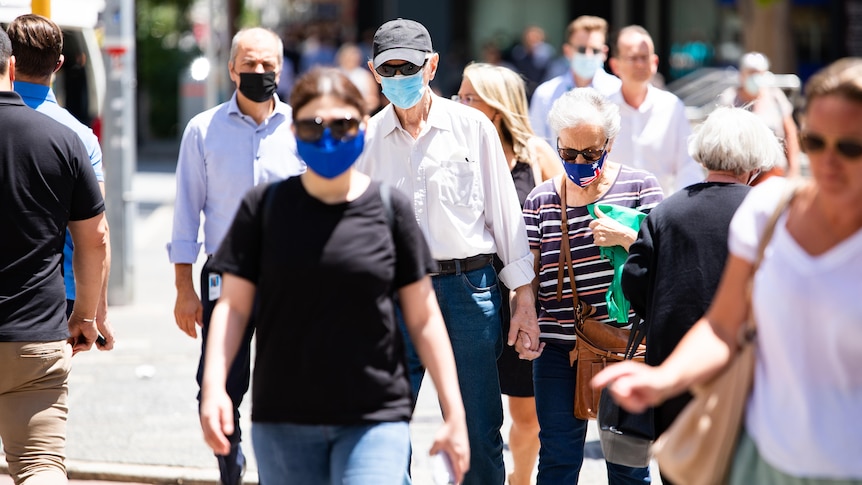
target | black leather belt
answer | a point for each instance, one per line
(456, 266)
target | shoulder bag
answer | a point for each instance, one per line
(597, 344)
(698, 447)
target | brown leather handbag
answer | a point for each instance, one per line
(598, 344)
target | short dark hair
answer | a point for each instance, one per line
(325, 81)
(37, 43)
(5, 52)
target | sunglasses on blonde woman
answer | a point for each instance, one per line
(311, 129)
(814, 143)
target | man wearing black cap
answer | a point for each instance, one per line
(448, 159)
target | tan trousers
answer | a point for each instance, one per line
(33, 391)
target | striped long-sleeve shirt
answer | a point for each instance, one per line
(632, 188)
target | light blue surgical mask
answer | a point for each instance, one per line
(404, 91)
(585, 66)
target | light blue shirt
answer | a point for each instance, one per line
(42, 99)
(551, 90)
(223, 154)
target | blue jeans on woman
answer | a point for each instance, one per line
(301, 454)
(470, 303)
(561, 434)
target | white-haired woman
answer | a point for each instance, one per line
(500, 94)
(587, 124)
(674, 267)
(757, 93)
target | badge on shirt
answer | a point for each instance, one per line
(214, 286)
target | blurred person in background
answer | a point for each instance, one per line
(757, 93)
(532, 57)
(498, 92)
(351, 63)
(801, 421)
(585, 51)
(674, 267)
(654, 129)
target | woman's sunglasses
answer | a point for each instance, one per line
(570, 155)
(406, 69)
(813, 143)
(311, 130)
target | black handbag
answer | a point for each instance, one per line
(625, 437)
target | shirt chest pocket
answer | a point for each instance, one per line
(456, 182)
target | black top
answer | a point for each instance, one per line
(328, 348)
(45, 181)
(522, 175)
(674, 266)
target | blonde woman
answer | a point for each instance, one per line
(499, 93)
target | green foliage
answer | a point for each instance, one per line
(163, 30)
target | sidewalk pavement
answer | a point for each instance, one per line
(133, 410)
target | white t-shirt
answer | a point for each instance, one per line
(805, 412)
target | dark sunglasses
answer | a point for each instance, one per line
(587, 50)
(311, 130)
(570, 155)
(407, 69)
(813, 143)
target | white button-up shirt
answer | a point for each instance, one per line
(654, 137)
(458, 179)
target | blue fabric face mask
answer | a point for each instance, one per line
(584, 174)
(404, 91)
(329, 157)
(585, 66)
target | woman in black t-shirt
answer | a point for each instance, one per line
(319, 258)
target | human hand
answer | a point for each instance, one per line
(524, 325)
(188, 311)
(106, 330)
(608, 232)
(82, 333)
(633, 385)
(521, 347)
(452, 439)
(216, 417)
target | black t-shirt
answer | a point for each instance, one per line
(328, 348)
(46, 180)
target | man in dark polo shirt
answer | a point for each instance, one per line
(46, 184)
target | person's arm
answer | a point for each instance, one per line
(226, 330)
(184, 246)
(524, 353)
(427, 330)
(638, 273)
(701, 354)
(608, 232)
(89, 262)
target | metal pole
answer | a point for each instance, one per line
(119, 144)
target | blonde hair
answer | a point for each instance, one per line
(588, 23)
(503, 90)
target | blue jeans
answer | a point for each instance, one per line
(300, 454)
(231, 465)
(562, 436)
(470, 303)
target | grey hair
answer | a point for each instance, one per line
(735, 139)
(234, 43)
(585, 106)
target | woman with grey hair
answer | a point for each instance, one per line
(586, 124)
(674, 267)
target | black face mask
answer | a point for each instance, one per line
(257, 87)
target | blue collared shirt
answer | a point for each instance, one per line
(42, 99)
(223, 154)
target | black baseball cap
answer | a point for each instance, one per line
(401, 39)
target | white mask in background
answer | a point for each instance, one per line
(585, 66)
(753, 84)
